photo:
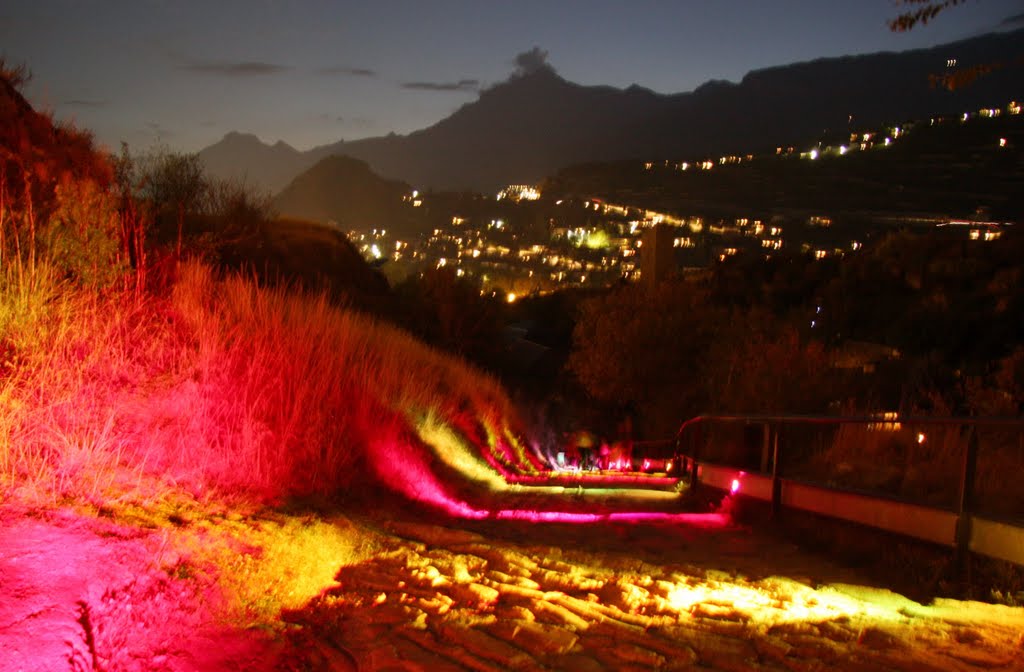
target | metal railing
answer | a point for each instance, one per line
(930, 489)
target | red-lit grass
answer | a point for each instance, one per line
(221, 385)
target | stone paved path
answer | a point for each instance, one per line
(577, 598)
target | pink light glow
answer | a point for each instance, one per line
(735, 485)
(693, 519)
(407, 471)
(597, 480)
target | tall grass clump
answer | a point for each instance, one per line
(66, 354)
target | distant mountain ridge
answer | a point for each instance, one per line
(533, 125)
(244, 157)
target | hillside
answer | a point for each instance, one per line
(310, 255)
(951, 169)
(345, 191)
(533, 125)
(233, 384)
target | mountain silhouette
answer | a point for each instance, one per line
(243, 157)
(534, 124)
(344, 190)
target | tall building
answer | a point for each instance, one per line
(657, 259)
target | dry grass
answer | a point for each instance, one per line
(219, 386)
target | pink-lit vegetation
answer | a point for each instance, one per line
(130, 372)
(219, 385)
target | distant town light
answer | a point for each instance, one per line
(1002, 142)
(735, 487)
(511, 298)
(814, 154)
(519, 192)
(920, 438)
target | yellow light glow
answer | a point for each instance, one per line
(597, 240)
(779, 600)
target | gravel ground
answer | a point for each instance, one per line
(81, 593)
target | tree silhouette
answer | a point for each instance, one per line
(923, 12)
(174, 184)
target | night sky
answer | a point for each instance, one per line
(182, 73)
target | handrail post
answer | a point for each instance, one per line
(698, 437)
(765, 445)
(964, 503)
(776, 483)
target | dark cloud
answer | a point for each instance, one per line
(345, 70)
(236, 68)
(461, 85)
(80, 102)
(531, 61)
(1010, 21)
